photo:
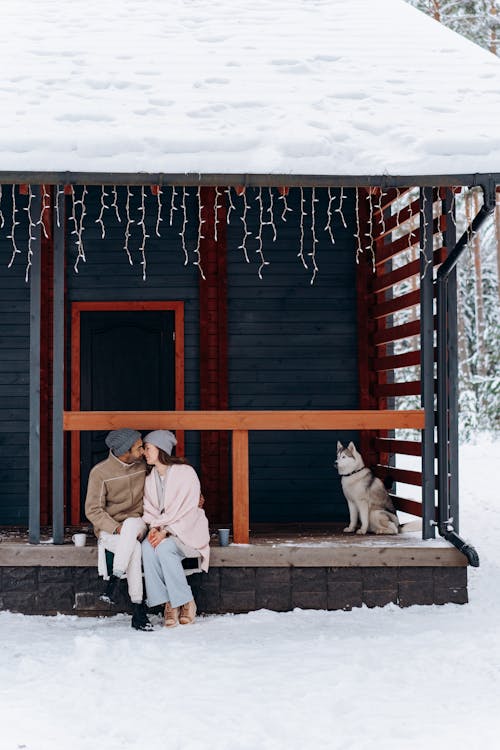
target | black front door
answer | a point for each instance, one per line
(127, 363)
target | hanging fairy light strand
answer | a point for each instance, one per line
(182, 233)
(328, 227)
(303, 214)
(44, 206)
(423, 231)
(173, 207)
(31, 234)
(78, 224)
(201, 236)
(370, 245)
(145, 236)
(260, 249)
(339, 209)
(216, 212)
(159, 193)
(12, 235)
(59, 192)
(312, 254)
(232, 207)
(115, 204)
(357, 236)
(104, 207)
(130, 221)
(270, 211)
(243, 218)
(286, 207)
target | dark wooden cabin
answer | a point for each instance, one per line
(260, 355)
(262, 260)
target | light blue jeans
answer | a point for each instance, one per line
(164, 575)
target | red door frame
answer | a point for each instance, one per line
(76, 309)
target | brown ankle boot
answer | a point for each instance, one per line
(188, 613)
(171, 616)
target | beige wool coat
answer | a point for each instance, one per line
(114, 493)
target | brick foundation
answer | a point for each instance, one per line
(75, 590)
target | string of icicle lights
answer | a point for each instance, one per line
(142, 212)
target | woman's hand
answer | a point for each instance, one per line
(156, 536)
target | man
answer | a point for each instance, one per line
(114, 507)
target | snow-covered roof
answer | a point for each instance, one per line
(330, 87)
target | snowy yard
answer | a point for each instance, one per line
(424, 677)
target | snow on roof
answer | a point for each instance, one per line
(287, 86)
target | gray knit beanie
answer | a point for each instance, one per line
(120, 441)
(163, 439)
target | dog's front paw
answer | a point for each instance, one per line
(349, 530)
(361, 531)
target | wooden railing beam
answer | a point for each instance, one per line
(241, 488)
(245, 420)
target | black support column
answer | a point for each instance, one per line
(58, 371)
(34, 390)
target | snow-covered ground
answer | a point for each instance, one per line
(423, 677)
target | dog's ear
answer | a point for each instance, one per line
(352, 447)
(340, 447)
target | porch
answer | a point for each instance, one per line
(305, 566)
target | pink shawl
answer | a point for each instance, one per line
(180, 514)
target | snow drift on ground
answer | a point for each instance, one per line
(408, 679)
(288, 86)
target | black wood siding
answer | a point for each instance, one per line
(107, 274)
(14, 366)
(292, 345)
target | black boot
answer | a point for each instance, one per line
(139, 617)
(109, 595)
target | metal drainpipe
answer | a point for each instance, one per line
(445, 523)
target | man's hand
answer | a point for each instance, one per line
(118, 529)
(156, 536)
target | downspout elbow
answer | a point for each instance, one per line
(466, 549)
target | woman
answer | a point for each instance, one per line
(178, 528)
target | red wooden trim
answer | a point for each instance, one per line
(400, 475)
(386, 252)
(366, 348)
(403, 302)
(395, 333)
(388, 390)
(395, 220)
(76, 309)
(388, 280)
(213, 354)
(391, 196)
(394, 362)
(406, 447)
(407, 506)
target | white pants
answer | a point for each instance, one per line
(127, 552)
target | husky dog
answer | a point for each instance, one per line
(366, 495)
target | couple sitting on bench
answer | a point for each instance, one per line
(146, 507)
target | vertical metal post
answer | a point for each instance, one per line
(427, 361)
(452, 349)
(34, 230)
(58, 372)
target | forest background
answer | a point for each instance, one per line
(479, 268)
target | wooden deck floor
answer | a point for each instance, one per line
(295, 546)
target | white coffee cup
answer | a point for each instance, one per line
(79, 540)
